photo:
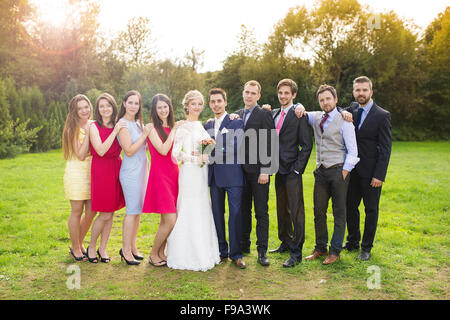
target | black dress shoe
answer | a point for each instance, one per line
(291, 262)
(364, 255)
(263, 260)
(350, 247)
(280, 249)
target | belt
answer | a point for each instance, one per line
(333, 166)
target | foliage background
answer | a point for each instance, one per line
(41, 67)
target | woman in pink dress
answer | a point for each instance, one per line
(162, 188)
(106, 191)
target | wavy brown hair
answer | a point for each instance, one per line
(158, 123)
(138, 115)
(112, 102)
(72, 125)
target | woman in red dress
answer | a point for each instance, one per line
(162, 188)
(106, 191)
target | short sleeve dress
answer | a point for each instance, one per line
(106, 191)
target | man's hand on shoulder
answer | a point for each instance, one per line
(347, 116)
(299, 110)
(266, 107)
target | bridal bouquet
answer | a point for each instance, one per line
(206, 147)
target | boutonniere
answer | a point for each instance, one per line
(224, 130)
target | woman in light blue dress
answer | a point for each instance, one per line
(133, 172)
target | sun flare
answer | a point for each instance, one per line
(53, 12)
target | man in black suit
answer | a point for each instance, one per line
(292, 133)
(256, 157)
(373, 136)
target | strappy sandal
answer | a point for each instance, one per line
(157, 264)
(75, 257)
(91, 260)
(104, 260)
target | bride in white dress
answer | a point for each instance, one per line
(192, 244)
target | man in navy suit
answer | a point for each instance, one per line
(225, 176)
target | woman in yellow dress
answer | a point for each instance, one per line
(77, 175)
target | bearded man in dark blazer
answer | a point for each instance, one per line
(373, 135)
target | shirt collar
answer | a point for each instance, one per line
(367, 108)
(286, 110)
(221, 118)
(250, 109)
(332, 113)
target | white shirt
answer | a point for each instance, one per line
(218, 123)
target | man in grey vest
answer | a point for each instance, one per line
(336, 156)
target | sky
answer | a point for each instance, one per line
(213, 25)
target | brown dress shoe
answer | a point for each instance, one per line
(240, 263)
(315, 255)
(331, 259)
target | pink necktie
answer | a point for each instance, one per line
(280, 122)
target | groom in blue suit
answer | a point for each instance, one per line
(225, 176)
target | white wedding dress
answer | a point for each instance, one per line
(192, 244)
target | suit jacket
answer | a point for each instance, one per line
(294, 132)
(259, 119)
(227, 146)
(374, 141)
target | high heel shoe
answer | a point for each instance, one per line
(137, 257)
(91, 260)
(132, 263)
(104, 260)
(75, 257)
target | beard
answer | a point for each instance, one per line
(362, 100)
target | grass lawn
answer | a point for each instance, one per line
(410, 254)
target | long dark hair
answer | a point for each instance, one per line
(138, 115)
(157, 122)
(110, 99)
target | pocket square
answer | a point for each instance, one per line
(224, 130)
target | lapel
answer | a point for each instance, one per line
(224, 123)
(252, 115)
(369, 116)
(275, 113)
(288, 117)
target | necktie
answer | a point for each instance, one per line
(360, 111)
(246, 111)
(280, 122)
(325, 117)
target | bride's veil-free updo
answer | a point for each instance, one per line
(191, 95)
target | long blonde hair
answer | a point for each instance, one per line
(72, 126)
